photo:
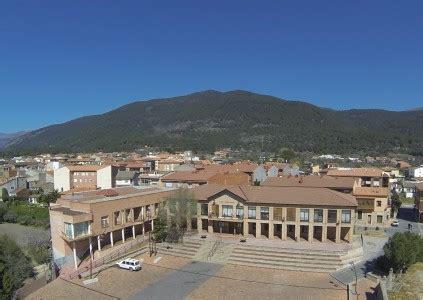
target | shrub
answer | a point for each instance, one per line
(10, 217)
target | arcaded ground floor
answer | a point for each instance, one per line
(312, 232)
(97, 245)
(180, 278)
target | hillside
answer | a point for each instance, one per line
(210, 119)
(6, 138)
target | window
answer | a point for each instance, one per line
(379, 219)
(304, 214)
(369, 219)
(204, 209)
(318, 215)
(251, 212)
(240, 212)
(68, 230)
(379, 203)
(360, 215)
(332, 216)
(75, 180)
(104, 221)
(227, 211)
(264, 213)
(80, 229)
(277, 214)
(346, 216)
(291, 214)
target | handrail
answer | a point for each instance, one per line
(214, 247)
(105, 259)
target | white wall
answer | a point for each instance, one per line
(62, 179)
(104, 178)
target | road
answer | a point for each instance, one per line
(373, 247)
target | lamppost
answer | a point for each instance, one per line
(356, 279)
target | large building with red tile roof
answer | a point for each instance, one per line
(297, 213)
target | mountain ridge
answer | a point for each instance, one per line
(210, 119)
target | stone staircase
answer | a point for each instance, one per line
(220, 256)
(187, 249)
(304, 260)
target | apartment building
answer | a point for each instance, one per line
(85, 177)
(191, 179)
(371, 188)
(285, 213)
(88, 222)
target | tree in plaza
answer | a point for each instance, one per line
(395, 202)
(403, 249)
(181, 207)
(160, 225)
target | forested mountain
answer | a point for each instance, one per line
(210, 119)
(6, 138)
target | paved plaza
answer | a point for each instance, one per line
(180, 278)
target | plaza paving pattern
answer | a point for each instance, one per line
(180, 278)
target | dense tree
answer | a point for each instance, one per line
(160, 230)
(14, 267)
(403, 250)
(181, 207)
(396, 202)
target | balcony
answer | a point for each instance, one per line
(76, 238)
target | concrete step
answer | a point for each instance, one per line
(286, 255)
(271, 265)
(286, 259)
(272, 250)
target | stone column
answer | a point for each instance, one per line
(123, 235)
(199, 225)
(258, 230)
(152, 225)
(271, 230)
(258, 214)
(297, 224)
(74, 256)
(311, 225)
(338, 226)
(99, 243)
(210, 227)
(245, 228)
(133, 231)
(271, 226)
(143, 230)
(324, 226)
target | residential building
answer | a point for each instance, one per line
(14, 184)
(127, 178)
(285, 213)
(195, 178)
(371, 189)
(340, 184)
(86, 222)
(416, 172)
(85, 177)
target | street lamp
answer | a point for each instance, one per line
(355, 272)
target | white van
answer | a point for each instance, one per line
(130, 264)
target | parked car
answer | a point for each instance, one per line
(395, 223)
(130, 264)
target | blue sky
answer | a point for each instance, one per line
(63, 59)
